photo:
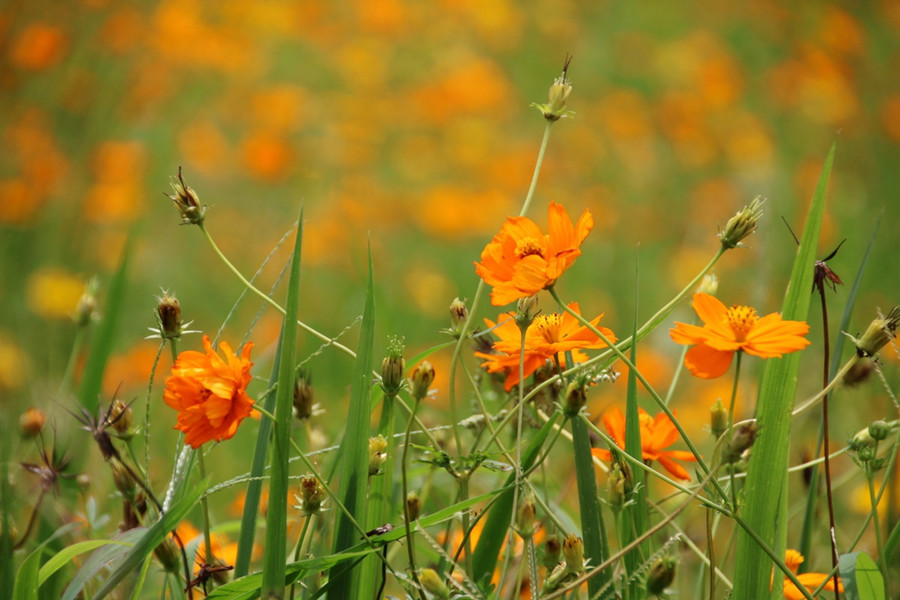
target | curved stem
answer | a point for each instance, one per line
(537, 169)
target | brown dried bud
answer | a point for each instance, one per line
(187, 202)
(312, 495)
(459, 314)
(120, 417)
(31, 422)
(741, 440)
(303, 395)
(168, 314)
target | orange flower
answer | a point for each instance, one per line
(657, 433)
(811, 581)
(521, 260)
(209, 393)
(548, 336)
(729, 330)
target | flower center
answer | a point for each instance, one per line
(741, 319)
(646, 420)
(529, 246)
(549, 327)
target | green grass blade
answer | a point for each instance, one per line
(768, 464)
(101, 345)
(486, 553)
(593, 530)
(276, 518)
(147, 542)
(61, 558)
(28, 578)
(6, 542)
(353, 455)
(250, 513)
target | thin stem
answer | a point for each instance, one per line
(300, 540)
(406, 519)
(876, 522)
(266, 298)
(537, 169)
(204, 509)
(737, 375)
(70, 364)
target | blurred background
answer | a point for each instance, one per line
(406, 126)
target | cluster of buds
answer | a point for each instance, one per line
(187, 202)
(557, 96)
(864, 444)
(312, 495)
(573, 564)
(742, 224)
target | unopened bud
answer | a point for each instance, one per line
(377, 454)
(557, 96)
(392, 368)
(552, 551)
(742, 224)
(573, 552)
(718, 418)
(863, 439)
(661, 575)
(31, 422)
(880, 430)
(168, 315)
(186, 201)
(459, 314)
(122, 478)
(525, 515)
(169, 555)
(413, 505)
(422, 378)
(615, 487)
(879, 333)
(86, 309)
(708, 285)
(312, 495)
(741, 440)
(576, 398)
(432, 583)
(526, 311)
(303, 395)
(120, 417)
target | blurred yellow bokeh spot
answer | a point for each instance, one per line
(54, 293)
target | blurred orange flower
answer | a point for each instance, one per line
(729, 330)
(521, 260)
(547, 336)
(209, 393)
(811, 581)
(657, 434)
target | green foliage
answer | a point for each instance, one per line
(861, 577)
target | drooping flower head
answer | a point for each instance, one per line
(209, 392)
(729, 330)
(548, 335)
(811, 581)
(657, 434)
(522, 260)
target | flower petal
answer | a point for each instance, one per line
(706, 362)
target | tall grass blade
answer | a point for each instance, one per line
(353, 456)
(276, 518)
(763, 510)
(593, 530)
(257, 468)
(101, 345)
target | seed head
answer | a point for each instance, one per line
(186, 201)
(742, 224)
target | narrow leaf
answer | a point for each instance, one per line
(861, 577)
(353, 454)
(593, 530)
(276, 518)
(61, 558)
(767, 471)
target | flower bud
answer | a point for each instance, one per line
(661, 575)
(459, 314)
(879, 333)
(708, 285)
(742, 224)
(187, 202)
(169, 555)
(120, 417)
(413, 505)
(557, 96)
(377, 454)
(718, 418)
(422, 378)
(432, 583)
(392, 368)
(526, 311)
(573, 551)
(525, 523)
(86, 309)
(312, 495)
(859, 371)
(741, 440)
(552, 551)
(303, 395)
(122, 478)
(615, 487)
(31, 422)
(576, 397)
(880, 430)
(863, 439)
(168, 315)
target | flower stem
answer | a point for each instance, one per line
(204, 509)
(405, 488)
(876, 522)
(537, 169)
(734, 389)
(70, 364)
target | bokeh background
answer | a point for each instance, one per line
(406, 126)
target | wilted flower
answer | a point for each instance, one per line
(209, 392)
(187, 202)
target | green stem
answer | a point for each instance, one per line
(879, 540)
(204, 509)
(406, 519)
(537, 169)
(297, 550)
(734, 389)
(70, 364)
(266, 298)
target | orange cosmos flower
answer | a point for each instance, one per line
(548, 336)
(521, 260)
(729, 330)
(209, 392)
(657, 434)
(811, 581)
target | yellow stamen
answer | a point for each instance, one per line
(741, 319)
(646, 420)
(549, 327)
(529, 246)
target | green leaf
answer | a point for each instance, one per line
(353, 455)
(148, 540)
(61, 558)
(101, 346)
(27, 578)
(484, 559)
(276, 518)
(764, 510)
(861, 577)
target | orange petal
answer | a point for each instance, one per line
(707, 363)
